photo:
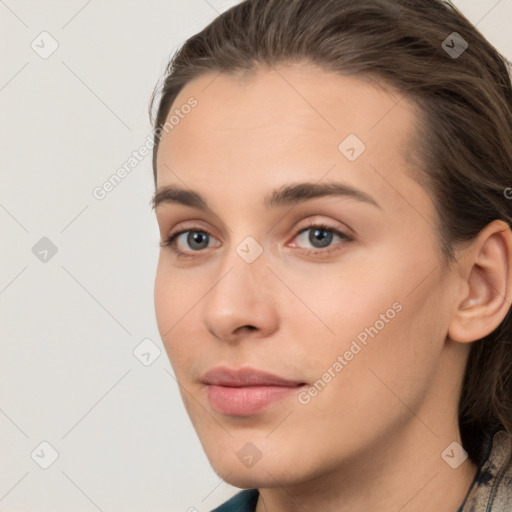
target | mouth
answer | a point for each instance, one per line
(246, 391)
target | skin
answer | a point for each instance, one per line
(372, 438)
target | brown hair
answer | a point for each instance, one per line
(463, 142)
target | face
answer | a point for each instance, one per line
(342, 295)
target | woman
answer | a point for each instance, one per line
(334, 285)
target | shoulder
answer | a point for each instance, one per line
(244, 501)
(492, 488)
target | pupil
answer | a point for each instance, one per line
(323, 239)
(196, 238)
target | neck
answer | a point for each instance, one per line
(403, 473)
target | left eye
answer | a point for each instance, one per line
(198, 239)
(322, 235)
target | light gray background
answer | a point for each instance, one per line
(69, 326)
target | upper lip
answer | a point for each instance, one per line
(242, 377)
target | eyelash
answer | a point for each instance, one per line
(170, 241)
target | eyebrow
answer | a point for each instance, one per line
(288, 195)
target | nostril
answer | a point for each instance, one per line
(248, 327)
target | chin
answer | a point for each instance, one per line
(249, 481)
(271, 470)
(253, 478)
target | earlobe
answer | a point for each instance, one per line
(487, 270)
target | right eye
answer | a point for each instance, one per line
(195, 239)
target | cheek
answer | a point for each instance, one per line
(337, 305)
(164, 301)
(174, 300)
(390, 345)
(381, 328)
(175, 293)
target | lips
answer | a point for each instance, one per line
(246, 391)
(246, 377)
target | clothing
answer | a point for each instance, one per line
(490, 491)
(244, 501)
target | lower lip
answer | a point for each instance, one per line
(244, 401)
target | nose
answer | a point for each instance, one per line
(242, 302)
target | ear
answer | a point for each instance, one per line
(486, 271)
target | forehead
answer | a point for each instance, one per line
(271, 124)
